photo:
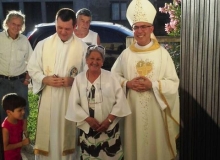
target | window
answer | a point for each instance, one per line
(118, 10)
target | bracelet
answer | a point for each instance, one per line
(110, 121)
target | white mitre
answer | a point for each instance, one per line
(140, 11)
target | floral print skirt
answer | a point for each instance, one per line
(101, 146)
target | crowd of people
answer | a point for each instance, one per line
(86, 112)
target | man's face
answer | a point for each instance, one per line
(142, 32)
(83, 23)
(14, 26)
(64, 29)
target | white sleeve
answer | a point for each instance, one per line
(155, 87)
(35, 68)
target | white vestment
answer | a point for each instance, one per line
(55, 136)
(152, 128)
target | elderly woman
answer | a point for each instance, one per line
(96, 103)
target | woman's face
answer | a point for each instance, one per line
(94, 61)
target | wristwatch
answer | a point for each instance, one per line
(110, 121)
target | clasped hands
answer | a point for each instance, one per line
(56, 81)
(139, 84)
(96, 126)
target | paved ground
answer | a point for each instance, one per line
(28, 154)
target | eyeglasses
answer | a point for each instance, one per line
(91, 93)
(91, 96)
(142, 27)
(99, 48)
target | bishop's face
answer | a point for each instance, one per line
(142, 32)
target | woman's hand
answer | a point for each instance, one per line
(94, 124)
(104, 126)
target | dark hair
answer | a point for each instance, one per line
(84, 12)
(66, 14)
(12, 101)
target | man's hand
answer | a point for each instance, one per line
(56, 81)
(140, 84)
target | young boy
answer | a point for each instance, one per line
(12, 126)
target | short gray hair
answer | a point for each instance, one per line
(98, 48)
(84, 12)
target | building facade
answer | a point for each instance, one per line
(43, 11)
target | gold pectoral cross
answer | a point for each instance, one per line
(48, 71)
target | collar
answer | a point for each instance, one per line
(68, 41)
(153, 45)
(6, 33)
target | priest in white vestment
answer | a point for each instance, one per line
(54, 64)
(148, 76)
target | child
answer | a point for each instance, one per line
(12, 126)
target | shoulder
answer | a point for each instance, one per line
(126, 52)
(78, 40)
(81, 75)
(23, 39)
(23, 36)
(92, 32)
(164, 51)
(5, 124)
(41, 43)
(107, 74)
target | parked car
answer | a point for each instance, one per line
(112, 35)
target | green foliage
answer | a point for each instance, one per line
(32, 119)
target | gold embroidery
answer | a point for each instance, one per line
(70, 151)
(155, 46)
(41, 152)
(144, 68)
(48, 71)
(167, 112)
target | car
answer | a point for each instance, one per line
(112, 35)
